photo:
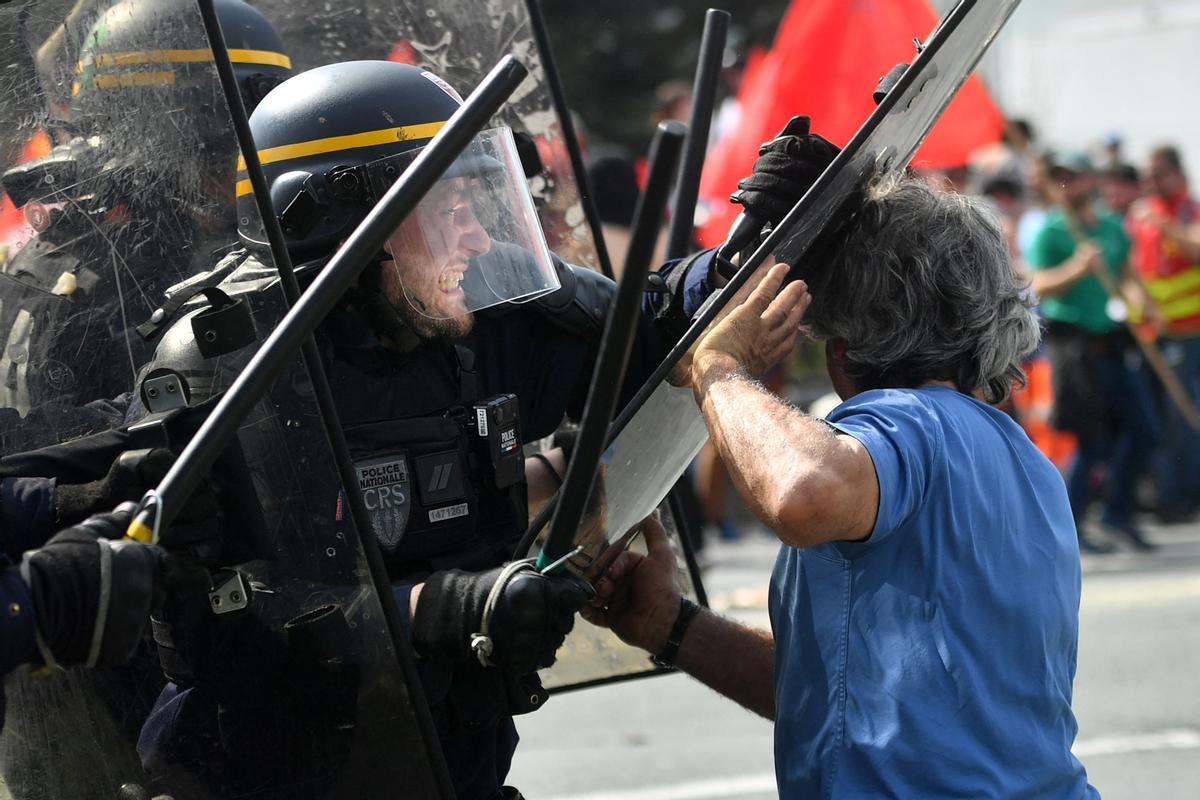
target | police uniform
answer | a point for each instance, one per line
(434, 423)
(432, 490)
(117, 220)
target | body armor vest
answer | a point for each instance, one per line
(438, 495)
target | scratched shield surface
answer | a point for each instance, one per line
(117, 164)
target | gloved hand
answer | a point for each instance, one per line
(93, 591)
(513, 616)
(786, 168)
(195, 530)
(128, 478)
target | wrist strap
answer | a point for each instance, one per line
(687, 612)
(481, 642)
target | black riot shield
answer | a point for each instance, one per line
(118, 180)
(658, 434)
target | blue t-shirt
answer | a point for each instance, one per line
(934, 659)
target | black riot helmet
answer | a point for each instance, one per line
(145, 87)
(160, 49)
(334, 139)
(255, 50)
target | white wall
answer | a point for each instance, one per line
(1080, 69)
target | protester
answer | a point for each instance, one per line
(1100, 392)
(908, 522)
(1120, 187)
(1166, 252)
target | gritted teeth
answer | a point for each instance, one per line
(449, 280)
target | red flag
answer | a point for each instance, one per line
(827, 57)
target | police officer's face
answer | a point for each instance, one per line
(433, 250)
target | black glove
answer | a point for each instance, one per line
(511, 617)
(128, 478)
(195, 530)
(786, 168)
(88, 573)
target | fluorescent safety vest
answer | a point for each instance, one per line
(1172, 279)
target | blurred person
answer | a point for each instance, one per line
(1037, 203)
(1112, 151)
(728, 115)
(1165, 227)
(672, 100)
(1120, 188)
(906, 521)
(1004, 193)
(1013, 155)
(1099, 395)
(119, 215)
(613, 180)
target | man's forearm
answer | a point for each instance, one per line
(790, 469)
(1057, 280)
(543, 477)
(733, 659)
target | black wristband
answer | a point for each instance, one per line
(687, 612)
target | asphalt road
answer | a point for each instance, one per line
(1137, 696)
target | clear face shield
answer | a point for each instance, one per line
(474, 240)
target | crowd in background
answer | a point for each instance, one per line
(1110, 248)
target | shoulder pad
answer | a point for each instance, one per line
(176, 296)
(178, 352)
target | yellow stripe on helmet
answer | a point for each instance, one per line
(236, 55)
(124, 80)
(334, 144)
(243, 187)
(261, 57)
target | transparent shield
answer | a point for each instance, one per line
(474, 240)
(666, 432)
(460, 41)
(593, 655)
(117, 175)
(639, 468)
(116, 185)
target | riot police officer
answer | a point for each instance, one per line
(464, 338)
(116, 218)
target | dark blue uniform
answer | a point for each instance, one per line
(517, 350)
(26, 522)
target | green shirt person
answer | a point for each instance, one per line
(1082, 302)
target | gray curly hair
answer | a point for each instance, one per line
(921, 287)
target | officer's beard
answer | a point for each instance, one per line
(392, 316)
(426, 327)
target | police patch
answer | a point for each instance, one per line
(387, 496)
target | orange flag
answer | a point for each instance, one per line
(827, 57)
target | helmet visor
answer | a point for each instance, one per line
(474, 240)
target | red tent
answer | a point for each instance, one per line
(827, 57)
